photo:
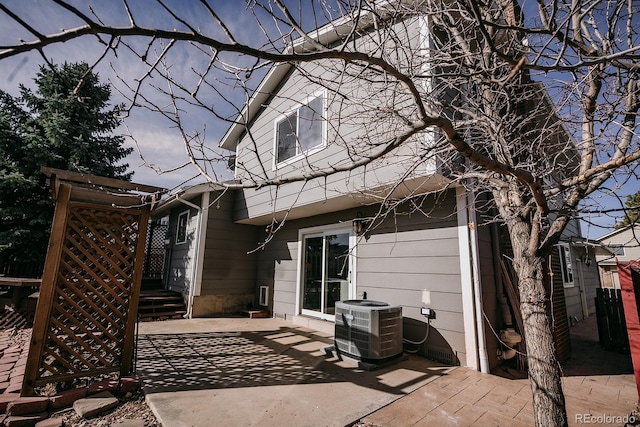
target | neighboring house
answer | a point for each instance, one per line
(322, 249)
(620, 246)
(576, 270)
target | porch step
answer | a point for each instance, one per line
(151, 284)
(160, 305)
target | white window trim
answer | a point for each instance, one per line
(319, 94)
(186, 228)
(353, 262)
(567, 249)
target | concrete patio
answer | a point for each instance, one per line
(269, 372)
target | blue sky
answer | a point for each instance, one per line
(158, 139)
(563, 85)
(160, 143)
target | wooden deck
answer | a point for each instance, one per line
(18, 288)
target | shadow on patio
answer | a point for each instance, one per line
(286, 356)
(588, 358)
(212, 360)
(267, 372)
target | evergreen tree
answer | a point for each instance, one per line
(55, 127)
(632, 211)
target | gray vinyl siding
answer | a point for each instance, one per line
(585, 277)
(181, 262)
(227, 266)
(572, 229)
(572, 293)
(591, 283)
(269, 200)
(402, 257)
(345, 124)
(228, 282)
(277, 268)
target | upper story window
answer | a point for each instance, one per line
(616, 248)
(565, 265)
(181, 229)
(300, 130)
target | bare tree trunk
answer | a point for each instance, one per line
(545, 108)
(544, 369)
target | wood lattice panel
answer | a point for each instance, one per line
(87, 310)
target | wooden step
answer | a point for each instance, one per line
(150, 298)
(159, 292)
(147, 317)
(151, 283)
(161, 304)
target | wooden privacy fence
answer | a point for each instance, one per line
(85, 319)
(629, 275)
(612, 330)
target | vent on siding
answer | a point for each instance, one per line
(264, 296)
(444, 356)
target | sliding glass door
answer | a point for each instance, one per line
(326, 272)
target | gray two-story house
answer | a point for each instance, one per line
(396, 230)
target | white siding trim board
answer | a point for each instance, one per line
(466, 278)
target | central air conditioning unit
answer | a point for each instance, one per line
(370, 331)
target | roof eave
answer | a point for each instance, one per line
(614, 232)
(187, 192)
(327, 34)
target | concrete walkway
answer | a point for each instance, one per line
(268, 372)
(599, 389)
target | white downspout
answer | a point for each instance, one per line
(195, 272)
(202, 240)
(473, 241)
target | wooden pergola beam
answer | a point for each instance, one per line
(100, 181)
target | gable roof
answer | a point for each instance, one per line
(614, 233)
(329, 33)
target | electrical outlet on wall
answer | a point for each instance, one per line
(427, 312)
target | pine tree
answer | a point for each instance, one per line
(632, 211)
(55, 127)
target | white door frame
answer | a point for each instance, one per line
(321, 231)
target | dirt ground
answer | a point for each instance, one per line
(131, 406)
